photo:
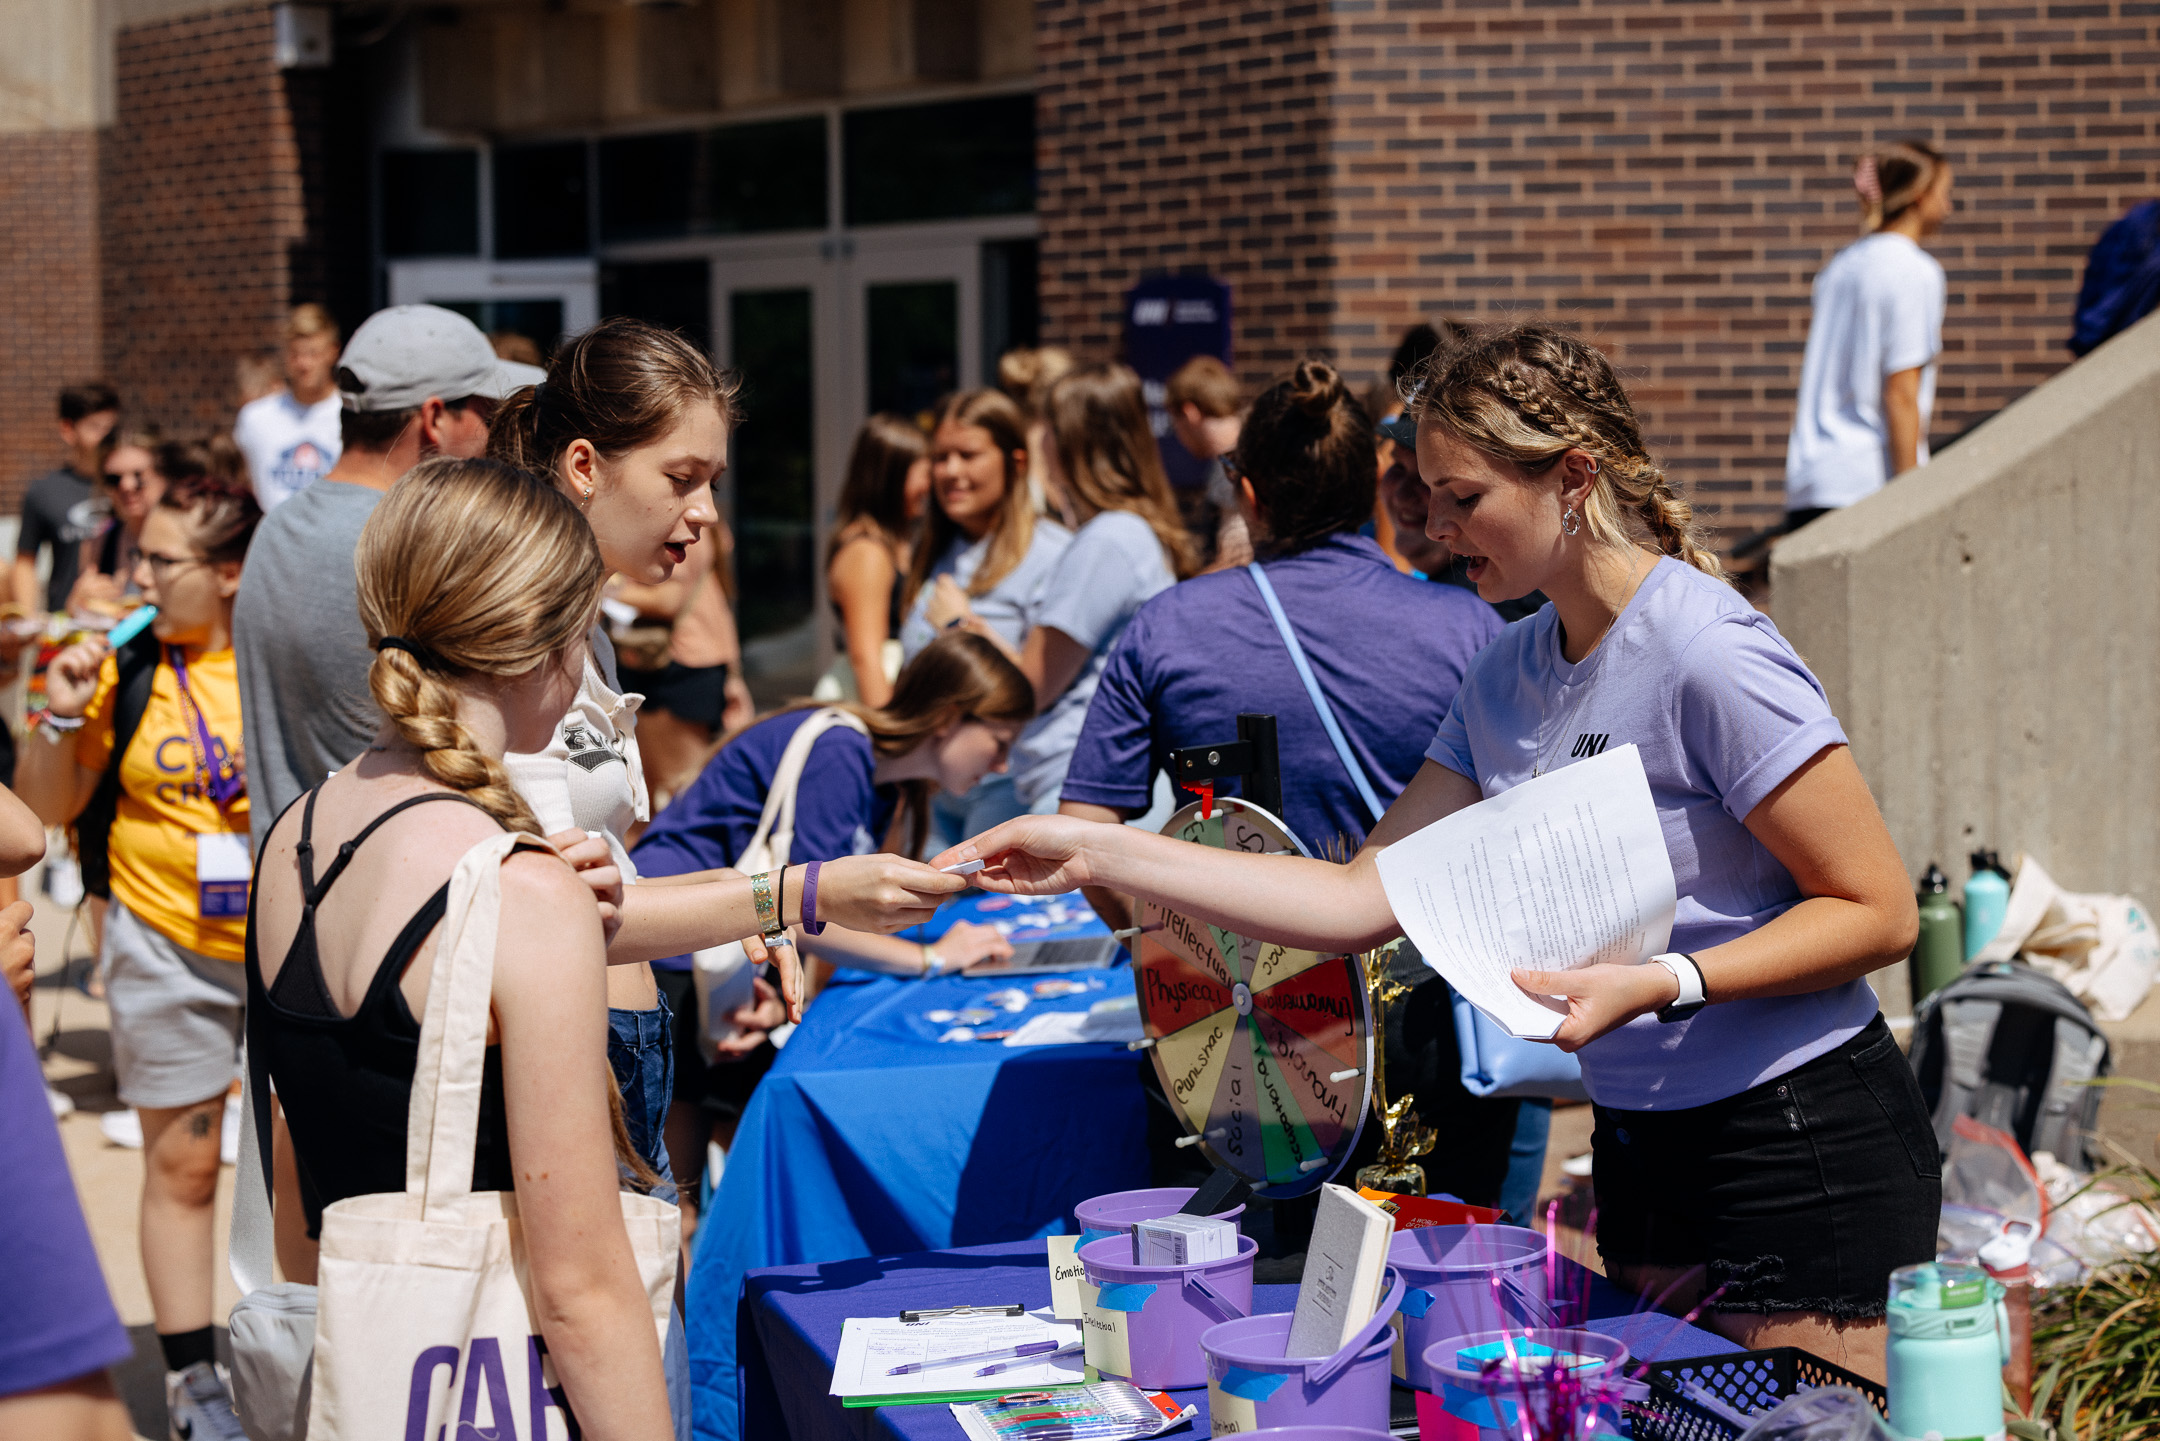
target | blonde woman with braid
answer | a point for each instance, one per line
(1760, 1140)
(476, 585)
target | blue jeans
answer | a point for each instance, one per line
(641, 1051)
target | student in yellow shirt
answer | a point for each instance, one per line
(175, 933)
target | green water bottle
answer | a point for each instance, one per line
(1940, 955)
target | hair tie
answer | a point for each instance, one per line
(427, 658)
(1866, 182)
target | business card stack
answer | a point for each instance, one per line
(1182, 1240)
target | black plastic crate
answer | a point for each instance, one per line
(1750, 1382)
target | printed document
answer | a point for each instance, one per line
(1563, 871)
(871, 1346)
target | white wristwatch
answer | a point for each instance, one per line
(1691, 998)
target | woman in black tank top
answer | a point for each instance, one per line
(477, 583)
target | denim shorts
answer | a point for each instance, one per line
(641, 1051)
(1800, 1194)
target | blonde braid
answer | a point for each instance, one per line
(424, 709)
(1643, 488)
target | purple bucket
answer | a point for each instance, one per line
(1461, 1279)
(1322, 1433)
(1253, 1386)
(1143, 1323)
(1118, 1212)
(1465, 1404)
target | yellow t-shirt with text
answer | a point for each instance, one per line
(163, 804)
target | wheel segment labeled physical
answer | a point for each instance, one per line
(1264, 1051)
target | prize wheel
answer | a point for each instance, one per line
(1264, 1051)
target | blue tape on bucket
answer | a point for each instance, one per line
(1253, 1386)
(1124, 1296)
(1091, 1234)
(1416, 1303)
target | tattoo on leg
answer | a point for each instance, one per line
(198, 1124)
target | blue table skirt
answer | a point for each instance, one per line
(791, 1320)
(871, 1137)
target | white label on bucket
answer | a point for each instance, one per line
(1065, 1278)
(1108, 1348)
(1398, 1362)
(1229, 1415)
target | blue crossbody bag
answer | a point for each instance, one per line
(1494, 1063)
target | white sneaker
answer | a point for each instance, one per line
(61, 1102)
(63, 880)
(229, 1133)
(122, 1128)
(198, 1405)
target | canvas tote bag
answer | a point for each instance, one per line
(721, 974)
(423, 1320)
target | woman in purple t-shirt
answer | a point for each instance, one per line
(1761, 1144)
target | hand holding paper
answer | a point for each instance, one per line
(1562, 872)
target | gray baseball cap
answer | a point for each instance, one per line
(401, 356)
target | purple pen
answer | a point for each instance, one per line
(1003, 1353)
(1069, 1348)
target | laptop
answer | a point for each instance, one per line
(1077, 953)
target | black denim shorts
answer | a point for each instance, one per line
(1800, 1194)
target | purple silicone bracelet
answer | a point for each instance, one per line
(810, 923)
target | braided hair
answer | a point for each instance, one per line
(470, 568)
(1529, 394)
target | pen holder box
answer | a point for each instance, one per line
(1143, 1323)
(1461, 1279)
(1252, 1386)
(1467, 1404)
(1117, 1213)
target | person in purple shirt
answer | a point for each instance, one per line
(1762, 1149)
(1200, 652)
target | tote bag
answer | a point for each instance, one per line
(1494, 1063)
(423, 1320)
(721, 974)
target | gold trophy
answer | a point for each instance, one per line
(1403, 1137)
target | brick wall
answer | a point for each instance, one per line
(49, 272)
(204, 213)
(1668, 176)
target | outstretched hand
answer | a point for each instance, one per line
(1600, 999)
(1031, 856)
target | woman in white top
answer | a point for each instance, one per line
(1867, 385)
(632, 424)
(1761, 1144)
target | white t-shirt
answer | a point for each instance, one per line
(1878, 309)
(288, 446)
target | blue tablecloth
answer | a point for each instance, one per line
(792, 1315)
(870, 1136)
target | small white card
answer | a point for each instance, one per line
(1064, 1278)
(222, 868)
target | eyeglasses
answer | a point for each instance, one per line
(162, 565)
(140, 476)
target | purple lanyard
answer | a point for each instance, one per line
(221, 779)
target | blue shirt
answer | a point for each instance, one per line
(1388, 652)
(1112, 567)
(1724, 712)
(838, 810)
(1008, 606)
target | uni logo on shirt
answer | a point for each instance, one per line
(1587, 745)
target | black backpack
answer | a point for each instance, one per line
(138, 669)
(2013, 1049)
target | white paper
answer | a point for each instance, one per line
(1104, 1022)
(871, 1347)
(1563, 871)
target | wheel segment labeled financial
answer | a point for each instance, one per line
(1264, 1051)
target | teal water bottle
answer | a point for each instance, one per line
(1987, 897)
(1940, 955)
(1948, 1345)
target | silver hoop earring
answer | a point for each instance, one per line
(1570, 522)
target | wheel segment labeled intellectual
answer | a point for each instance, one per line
(1264, 1051)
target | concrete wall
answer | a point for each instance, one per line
(1988, 629)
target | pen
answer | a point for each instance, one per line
(1069, 1348)
(1003, 1353)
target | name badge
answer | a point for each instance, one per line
(221, 874)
